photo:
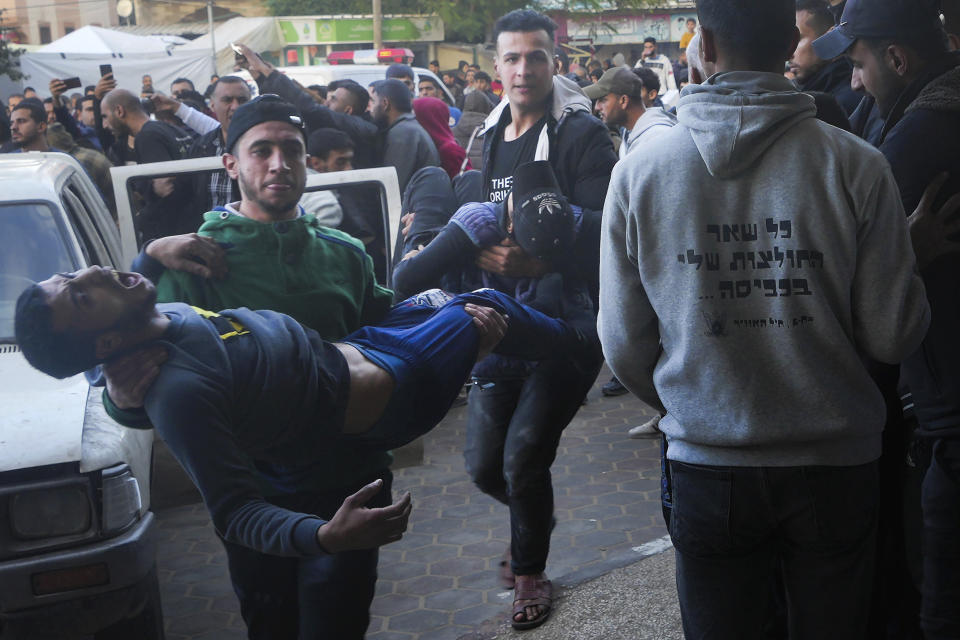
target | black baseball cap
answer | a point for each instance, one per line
(879, 19)
(616, 80)
(543, 223)
(264, 108)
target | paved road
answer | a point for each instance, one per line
(440, 581)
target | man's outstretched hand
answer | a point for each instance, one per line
(355, 526)
(930, 230)
(491, 324)
(129, 376)
(190, 253)
(253, 63)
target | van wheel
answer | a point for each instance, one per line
(145, 625)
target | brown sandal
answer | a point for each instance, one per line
(541, 594)
(507, 579)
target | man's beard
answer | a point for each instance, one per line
(272, 208)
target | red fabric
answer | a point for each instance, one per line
(434, 116)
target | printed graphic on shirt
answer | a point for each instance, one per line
(499, 188)
(507, 157)
(773, 266)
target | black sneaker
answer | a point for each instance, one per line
(613, 388)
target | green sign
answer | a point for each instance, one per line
(348, 30)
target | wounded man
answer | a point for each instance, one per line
(240, 385)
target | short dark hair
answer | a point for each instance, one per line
(482, 75)
(90, 88)
(25, 89)
(596, 74)
(821, 20)
(650, 39)
(37, 111)
(648, 78)
(60, 354)
(396, 92)
(929, 46)
(400, 70)
(84, 99)
(693, 20)
(193, 97)
(435, 62)
(326, 139)
(757, 30)
(564, 59)
(227, 80)
(187, 80)
(462, 64)
(525, 20)
(361, 98)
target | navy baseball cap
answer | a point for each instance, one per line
(264, 108)
(543, 223)
(879, 19)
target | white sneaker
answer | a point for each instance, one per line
(646, 430)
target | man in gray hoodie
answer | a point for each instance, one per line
(745, 304)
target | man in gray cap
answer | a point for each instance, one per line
(619, 101)
(901, 57)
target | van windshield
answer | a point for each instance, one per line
(32, 248)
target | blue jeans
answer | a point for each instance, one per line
(513, 428)
(430, 353)
(940, 609)
(309, 598)
(733, 527)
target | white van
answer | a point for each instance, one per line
(77, 537)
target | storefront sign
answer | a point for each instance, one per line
(665, 27)
(359, 30)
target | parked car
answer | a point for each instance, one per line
(77, 537)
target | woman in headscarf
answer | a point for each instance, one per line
(476, 108)
(434, 116)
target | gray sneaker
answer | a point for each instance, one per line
(646, 430)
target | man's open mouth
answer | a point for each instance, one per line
(126, 279)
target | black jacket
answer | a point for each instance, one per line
(582, 157)
(363, 133)
(919, 140)
(834, 78)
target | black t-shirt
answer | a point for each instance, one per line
(509, 156)
(159, 142)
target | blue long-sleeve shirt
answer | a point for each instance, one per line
(276, 393)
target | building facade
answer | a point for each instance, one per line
(43, 21)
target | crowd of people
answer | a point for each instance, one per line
(729, 230)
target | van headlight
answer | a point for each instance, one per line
(121, 499)
(51, 512)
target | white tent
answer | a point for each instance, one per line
(81, 53)
(260, 34)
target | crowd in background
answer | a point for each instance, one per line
(626, 143)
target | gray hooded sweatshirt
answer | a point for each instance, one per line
(743, 286)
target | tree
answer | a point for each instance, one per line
(9, 57)
(464, 20)
(9, 61)
(337, 7)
